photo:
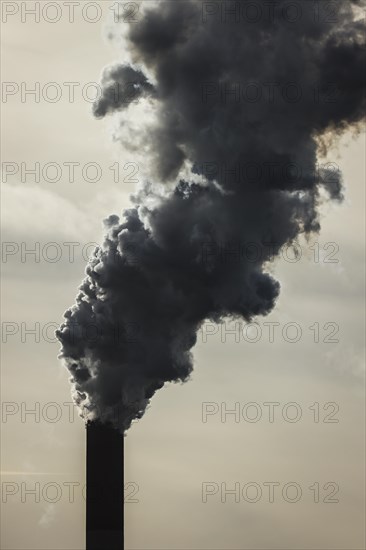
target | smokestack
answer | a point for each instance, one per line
(104, 483)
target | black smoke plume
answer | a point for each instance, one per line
(240, 102)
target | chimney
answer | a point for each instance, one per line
(104, 487)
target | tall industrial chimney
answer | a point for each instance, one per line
(104, 487)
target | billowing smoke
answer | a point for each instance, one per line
(239, 105)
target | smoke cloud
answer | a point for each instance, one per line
(238, 111)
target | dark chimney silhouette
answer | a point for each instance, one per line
(105, 487)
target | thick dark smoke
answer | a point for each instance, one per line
(241, 102)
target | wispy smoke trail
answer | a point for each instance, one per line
(225, 93)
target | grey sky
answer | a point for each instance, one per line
(172, 452)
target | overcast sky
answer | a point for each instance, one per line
(181, 450)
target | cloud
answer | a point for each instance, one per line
(48, 516)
